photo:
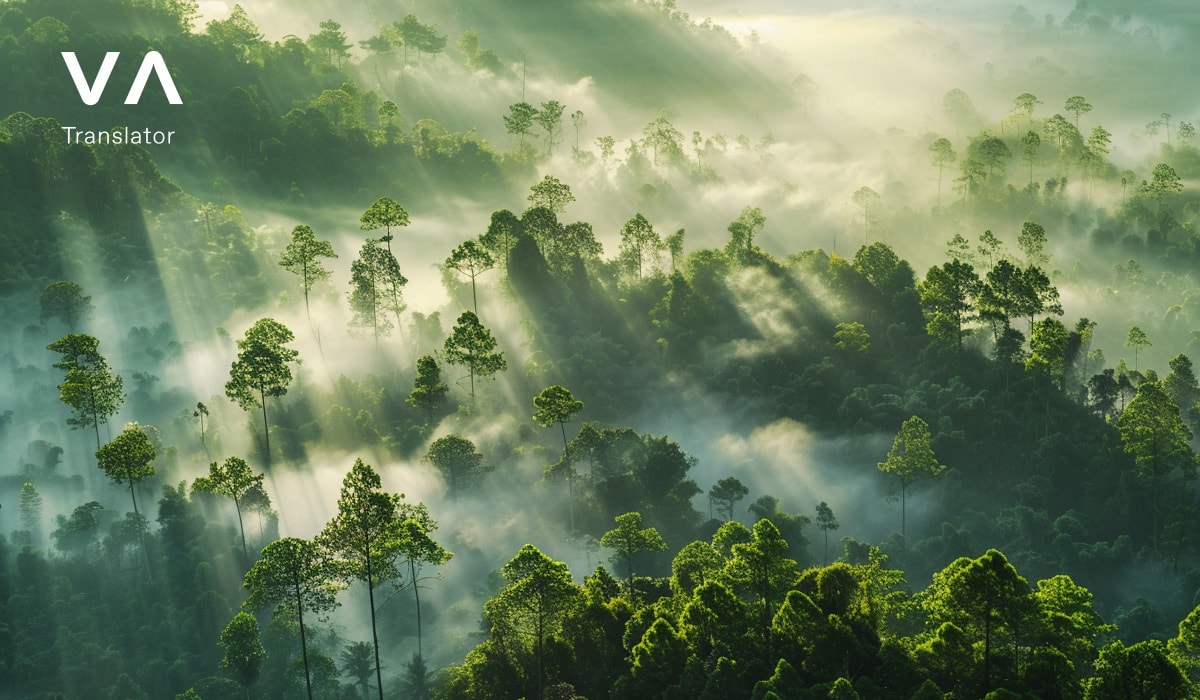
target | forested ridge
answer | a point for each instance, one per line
(348, 395)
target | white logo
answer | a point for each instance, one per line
(90, 94)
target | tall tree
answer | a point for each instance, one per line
(826, 522)
(358, 662)
(376, 284)
(519, 120)
(231, 479)
(941, 153)
(129, 458)
(1153, 432)
(428, 390)
(534, 604)
(629, 538)
(1024, 103)
(501, 235)
(1137, 339)
(865, 197)
(1077, 105)
(549, 117)
(261, 370)
(551, 193)
(384, 213)
(458, 461)
(302, 257)
(363, 538)
(556, 404)
(1030, 143)
(416, 548)
(911, 458)
(90, 389)
(763, 567)
(293, 576)
(66, 302)
(726, 493)
(742, 231)
(640, 243)
(663, 138)
(1032, 241)
(472, 260)
(471, 345)
(330, 41)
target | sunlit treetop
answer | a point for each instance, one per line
(384, 213)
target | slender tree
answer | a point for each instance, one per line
(551, 193)
(941, 153)
(458, 461)
(261, 370)
(826, 521)
(129, 458)
(1137, 339)
(294, 576)
(726, 493)
(472, 260)
(556, 404)
(1077, 105)
(363, 538)
(384, 213)
(639, 243)
(911, 458)
(231, 479)
(302, 257)
(629, 538)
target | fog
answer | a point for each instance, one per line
(847, 97)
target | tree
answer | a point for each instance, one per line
(30, 508)
(911, 458)
(302, 257)
(1153, 432)
(501, 235)
(384, 213)
(231, 479)
(639, 242)
(238, 32)
(416, 548)
(534, 603)
(607, 146)
(358, 662)
(519, 119)
(331, 41)
(1187, 132)
(941, 153)
(375, 288)
(201, 413)
(674, 245)
(948, 298)
(1048, 341)
(1137, 339)
(1077, 105)
(662, 137)
(429, 391)
(578, 121)
(471, 345)
(550, 194)
(742, 231)
(66, 302)
(261, 370)
(455, 457)
(1032, 241)
(423, 37)
(549, 117)
(471, 259)
(763, 567)
(992, 152)
(1143, 670)
(244, 652)
(826, 521)
(363, 538)
(725, 493)
(1030, 143)
(294, 576)
(90, 388)
(864, 197)
(629, 538)
(1025, 102)
(129, 458)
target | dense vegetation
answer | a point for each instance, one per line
(714, 426)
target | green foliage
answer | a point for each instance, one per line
(244, 651)
(375, 289)
(555, 404)
(90, 389)
(629, 538)
(384, 213)
(852, 338)
(233, 479)
(640, 246)
(428, 391)
(129, 457)
(1144, 666)
(741, 236)
(302, 257)
(727, 492)
(550, 194)
(66, 302)
(471, 345)
(455, 457)
(471, 259)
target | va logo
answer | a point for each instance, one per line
(90, 94)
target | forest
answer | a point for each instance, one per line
(467, 350)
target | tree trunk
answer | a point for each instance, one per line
(262, 394)
(303, 643)
(374, 633)
(242, 528)
(412, 568)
